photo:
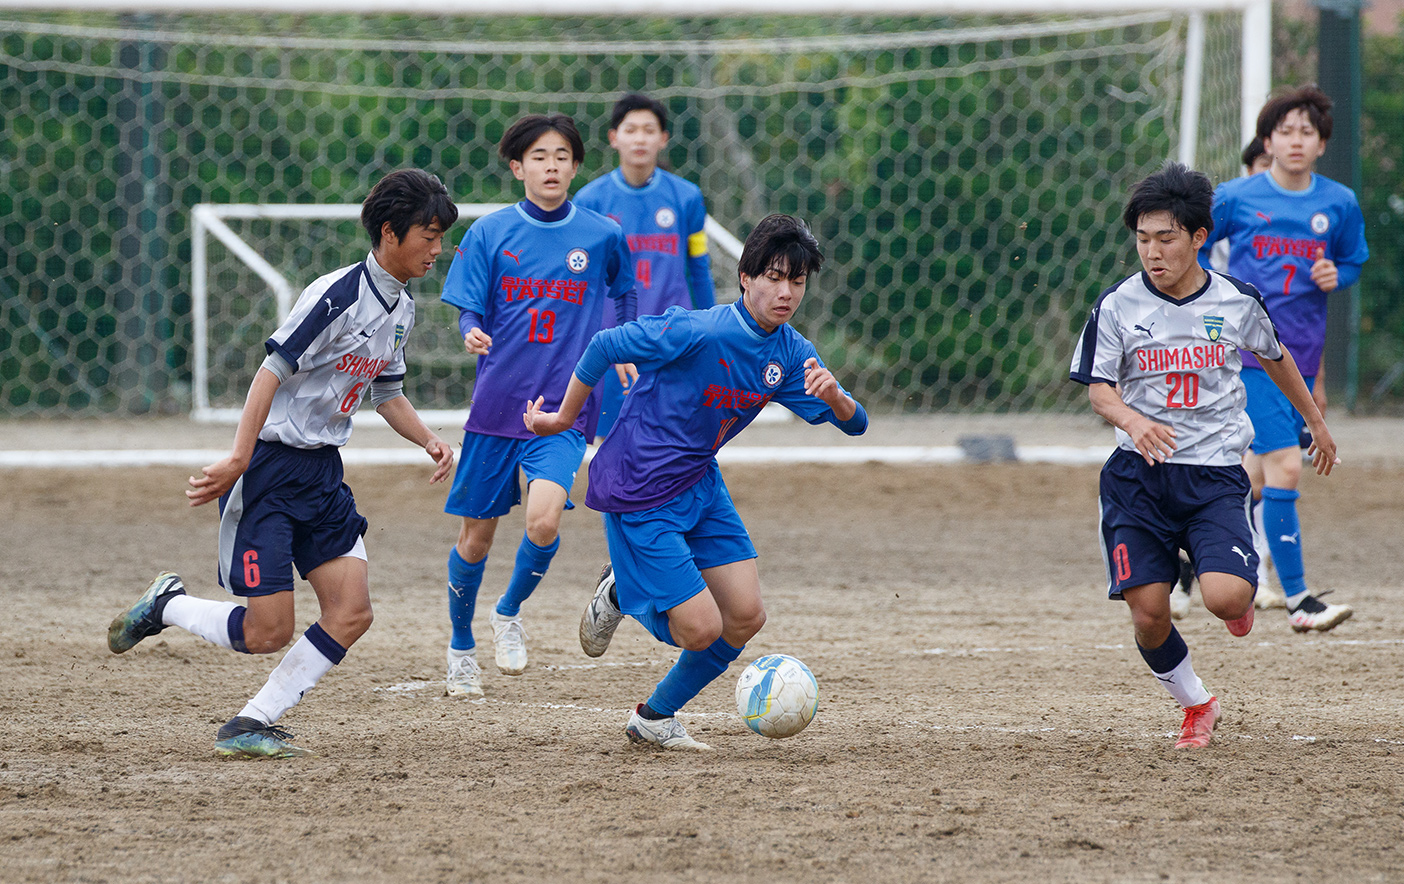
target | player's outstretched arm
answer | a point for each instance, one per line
(1154, 441)
(399, 413)
(1284, 373)
(221, 475)
(819, 382)
(548, 423)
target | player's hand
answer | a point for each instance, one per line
(1155, 442)
(543, 423)
(442, 453)
(1323, 450)
(1323, 272)
(819, 382)
(477, 341)
(215, 480)
(628, 373)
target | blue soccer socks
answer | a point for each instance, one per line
(463, 582)
(693, 672)
(1284, 539)
(532, 562)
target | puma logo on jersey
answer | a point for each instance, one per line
(1265, 217)
(1146, 330)
(517, 257)
(723, 363)
(365, 333)
(1288, 538)
(1243, 554)
(331, 308)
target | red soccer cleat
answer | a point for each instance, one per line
(1243, 625)
(1199, 725)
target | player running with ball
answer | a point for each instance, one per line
(1160, 356)
(683, 564)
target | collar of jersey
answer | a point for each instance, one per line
(527, 216)
(1292, 194)
(617, 176)
(374, 273)
(1150, 287)
(748, 322)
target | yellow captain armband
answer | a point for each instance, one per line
(697, 244)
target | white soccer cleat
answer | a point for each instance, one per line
(601, 617)
(1313, 613)
(509, 640)
(665, 733)
(1179, 604)
(465, 678)
(1268, 597)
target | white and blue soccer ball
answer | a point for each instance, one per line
(777, 696)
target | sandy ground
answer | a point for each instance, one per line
(984, 714)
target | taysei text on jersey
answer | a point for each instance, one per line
(517, 288)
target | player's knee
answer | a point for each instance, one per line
(746, 627)
(266, 638)
(542, 529)
(696, 636)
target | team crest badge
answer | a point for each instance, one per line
(773, 374)
(577, 260)
(1214, 325)
(399, 335)
(1320, 223)
(665, 217)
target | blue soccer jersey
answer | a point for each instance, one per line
(1274, 235)
(703, 377)
(540, 288)
(663, 221)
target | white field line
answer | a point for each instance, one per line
(1063, 649)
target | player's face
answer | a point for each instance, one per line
(1295, 144)
(639, 139)
(1169, 253)
(773, 297)
(413, 256)
(547, 168)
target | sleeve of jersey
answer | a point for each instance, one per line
(649, 342)
(1259, 333)
(812, 409)
(1351, 248)
(466, 286)
(1221, 213)
(316, 310)
(699, 262)
(1097, 359)
(621, 282)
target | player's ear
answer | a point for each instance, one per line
(387, 235)
(517, 171)
(1198, 237)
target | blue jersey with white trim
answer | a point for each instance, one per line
(347, 329)
(541, 289)
(704, 375)
(1274, 235)
(664, 223)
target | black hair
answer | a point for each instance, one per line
(521, 135)
(638, 101)
(1309, 98)
(780, 241)
(1186, 194)
(405, 198)
(1251, 151)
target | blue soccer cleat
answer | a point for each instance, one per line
(143, 619)
(242, 737)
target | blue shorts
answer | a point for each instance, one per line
(659, 554)
(485, 484)
(290, 507)
(1276, 422)
(1149, 513)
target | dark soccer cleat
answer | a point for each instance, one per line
(143, 619)
(250, 738)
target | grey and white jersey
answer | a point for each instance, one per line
(1177, 361)
(347, 330)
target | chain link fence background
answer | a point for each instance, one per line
(965, 177)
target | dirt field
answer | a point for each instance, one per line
(984, 713)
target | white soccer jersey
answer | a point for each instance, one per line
(1177, 361)
(347, 329)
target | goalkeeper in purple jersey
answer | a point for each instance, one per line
(682, 562)
(663, 217)
(1160, 357)
(1297, 237)
(532, 283)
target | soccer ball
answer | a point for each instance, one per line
(777, 696)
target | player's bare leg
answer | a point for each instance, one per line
(1168, 657)
(1230, 598)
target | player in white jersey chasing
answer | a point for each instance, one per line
(1160, 356)
(281, 496)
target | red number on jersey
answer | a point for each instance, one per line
(350, 400)
(1287, 283)
(643, 272)
(1184, 389)
(251, 575)
(543, 326)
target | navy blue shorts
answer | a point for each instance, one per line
(486, 486)
(290, 507)
(1149, 513)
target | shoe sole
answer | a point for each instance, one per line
(119, 637)
(463, 692)
(252, 755)
(593, 643)
(639, 740)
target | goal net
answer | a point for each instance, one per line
(965, 176)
